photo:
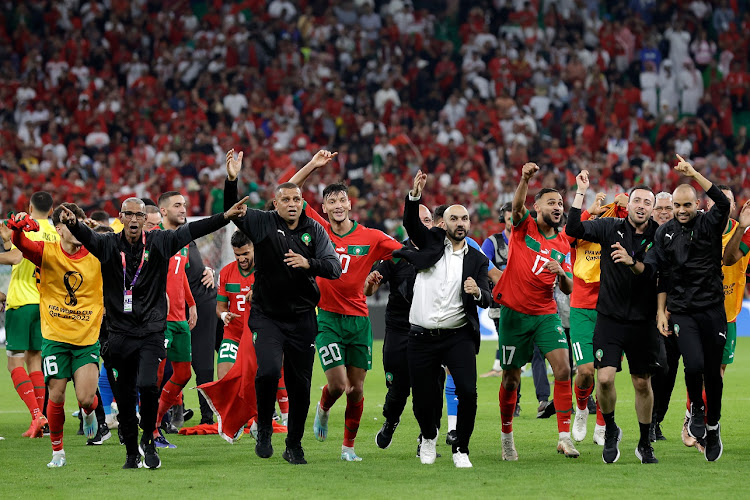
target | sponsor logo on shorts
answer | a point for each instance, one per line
(599, 354)
(723, 334)
(94, 356)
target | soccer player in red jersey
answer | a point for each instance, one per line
(344, 340)
(177, 336)
(528, 315)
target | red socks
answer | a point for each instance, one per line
(283, 398)
(582, 396)
(56, 419)
(563, 398)
(352, 416)
(326, 400)
(37, 379)
(507, 407)
(170, 395)
(93, 406)
(25, 389)
(599, 417)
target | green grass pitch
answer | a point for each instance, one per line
(208, 467)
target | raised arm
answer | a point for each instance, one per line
(99, 245)
(739, 243)
(321, 158)
(576, 228)
(31, 250)
(417, 231)
(720, 211)
(519, 198)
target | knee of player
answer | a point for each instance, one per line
(641, 384)
(85, 401)
(510, 380)
(606, 382)
(561, 372)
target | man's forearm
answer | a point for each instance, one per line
(732, 252)
(202, 227)
(302, 174)
(702, 181)
(519, 197)
(230, 193)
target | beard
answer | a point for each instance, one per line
(455, 237)
(547, 218)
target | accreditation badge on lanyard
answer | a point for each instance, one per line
(127, 304)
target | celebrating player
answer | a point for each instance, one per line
(344, 340)
(529, 314)
(71, 306)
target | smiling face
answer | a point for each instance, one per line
(685, 204)
(730, 196)
(640, 206)
(550, 208)
(288, 202)
(337, 206)
(245, 256)
(174, 210)
(457, 222)
(663, 211)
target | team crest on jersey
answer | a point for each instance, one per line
(599, 354)
(145, 256)
(676, 329)
(358, 250)
(560, 330)
(388, 377)
(306, 239)
(255, 336)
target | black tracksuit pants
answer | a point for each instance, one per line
(202, 340)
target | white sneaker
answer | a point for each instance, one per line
(428, 453)
(58, 459)
(461, 460)
(509, 447)
(599, 434)
(579, 424)
(320, 423)
(90, 424)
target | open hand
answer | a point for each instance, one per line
(234, 165)
(419, 182)
(322, 158)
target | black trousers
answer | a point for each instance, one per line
(663, 381)
(293, 343)
(457, 352)
(396, 367)
(137, 363)
(701, 337)
(202, 340)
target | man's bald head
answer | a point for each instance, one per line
(685, 190)
(457, 222)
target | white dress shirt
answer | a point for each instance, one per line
(437, 299)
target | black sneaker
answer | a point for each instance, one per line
(208, 421)
(102, 434)
(45, 430)
(517, 411)
(546, 409)
(591, 405)
(187, 415)
(697, 426)
(80, 423)
(658, 433)
(714, 446)
(645, 454)
(132, 462)
(451, 438)
(263, 447)
(119, 435)
(168, 428)
(151, 458)
(611, 452)
(651, 433)
(384, 437)
(295, 455)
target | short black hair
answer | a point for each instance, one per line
(100, 216)
(70, 206)
(286, 185)
(163, 199)
(641, 186)
(507, 207)
(148, 202)
(42, 201)
(544, 191)
(103, 229)
(440, 211)
(240, 239)
(152, 209)
(338, 187)
(723, 187)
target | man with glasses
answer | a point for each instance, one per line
(663, 210)
(134, 268)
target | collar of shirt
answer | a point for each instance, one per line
(449, 247)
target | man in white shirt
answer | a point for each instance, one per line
(451, 282)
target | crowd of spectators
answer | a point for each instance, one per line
(102, 100)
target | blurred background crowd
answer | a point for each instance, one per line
(102, 100)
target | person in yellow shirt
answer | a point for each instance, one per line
(22, 326)
(71, 310)
(735, 260)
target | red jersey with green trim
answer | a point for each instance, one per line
(358, 250)
(178, 287)
(585, 290)
(234, 284)
(526, 286)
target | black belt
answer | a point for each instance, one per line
(435, 332)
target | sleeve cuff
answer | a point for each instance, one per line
(413, 198)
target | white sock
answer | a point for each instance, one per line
(506, 435)
(452, 419)
(564, 435)
(712, 427)
(496, 366)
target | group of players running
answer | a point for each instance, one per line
(629, 281)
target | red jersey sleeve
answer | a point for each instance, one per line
(31, 250)
(188, 294)
(313, 214)
(221, 295)
(744, 243)
(386, 246)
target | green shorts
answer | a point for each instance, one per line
(344, 340)
(582, 322)
(519, 332)
(23, 328)
(228, 351)
(731, 344)
(61, 360)
(177, 341)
